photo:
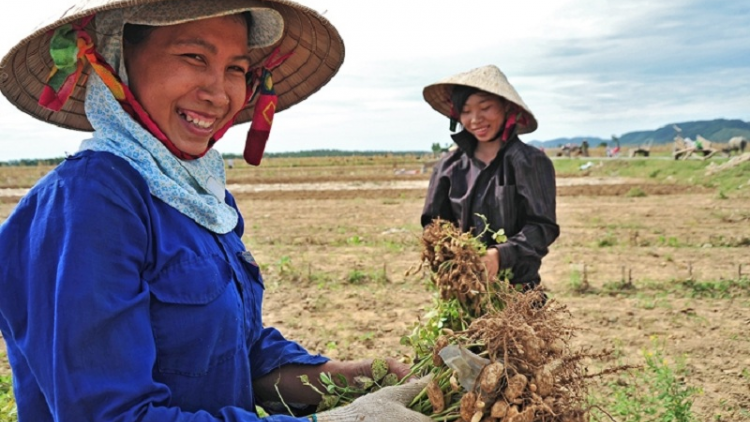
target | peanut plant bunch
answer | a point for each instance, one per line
(520, 345)
(454, 261)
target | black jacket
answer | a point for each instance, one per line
(515, 192)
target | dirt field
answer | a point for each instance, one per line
(334, 260)
(315, 242)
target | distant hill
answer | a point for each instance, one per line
(719, 130)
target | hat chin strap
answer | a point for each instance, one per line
(509, 127)
(467, 142)
(500, 135)
(508, 130)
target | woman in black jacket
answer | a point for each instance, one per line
(493, 178)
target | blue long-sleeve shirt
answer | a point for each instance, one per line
(116, 307)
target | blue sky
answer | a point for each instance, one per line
(584, 67)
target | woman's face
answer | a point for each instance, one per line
(190, 78)
(483, 115)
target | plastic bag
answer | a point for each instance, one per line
(466, 364)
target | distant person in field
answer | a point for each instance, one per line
(493, 173)
(126, 292)
(585, 148)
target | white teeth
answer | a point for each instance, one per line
(204, 124)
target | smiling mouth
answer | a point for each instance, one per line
(197, 121)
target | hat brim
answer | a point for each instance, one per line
(267, 28)
(316, 46)
(438, 95)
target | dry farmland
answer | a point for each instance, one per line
(648, 259)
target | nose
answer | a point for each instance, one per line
(475, 117)
(213, 89)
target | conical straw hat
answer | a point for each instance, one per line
(487, 78)
(318, 50)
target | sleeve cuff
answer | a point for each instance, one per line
(507, 255)
(274, 351)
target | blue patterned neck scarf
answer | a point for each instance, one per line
(196, 188)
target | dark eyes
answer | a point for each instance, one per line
(200, 59)
(238, 69)
(197, 57)
(480, 109)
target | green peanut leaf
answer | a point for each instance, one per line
(342, 380)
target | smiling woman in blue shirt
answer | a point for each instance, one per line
(127, 293)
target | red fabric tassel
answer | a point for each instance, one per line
(510, 124)
(55, 101)
(265, 108)
(260, 128)
(515, 117)
(55, 92)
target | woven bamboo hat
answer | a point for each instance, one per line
(488, 79)
(317, 47)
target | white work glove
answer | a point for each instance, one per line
(385, 405)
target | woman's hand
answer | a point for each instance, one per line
(492, 262)
(286, 379)
(402, 370)
(385, 405)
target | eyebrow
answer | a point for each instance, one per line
(210, 47)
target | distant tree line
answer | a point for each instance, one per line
(26, 162)
(29, 162)
(330, 153)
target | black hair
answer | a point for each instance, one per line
(459, 95)
(248, 20)
(134, 34)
